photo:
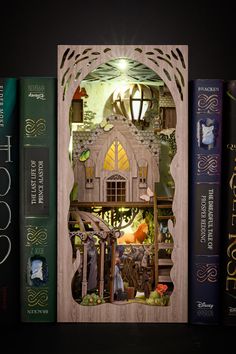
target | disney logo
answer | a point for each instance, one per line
(204, 305)
(38, 96)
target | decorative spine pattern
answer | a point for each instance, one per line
(38, 198)
(205, 183)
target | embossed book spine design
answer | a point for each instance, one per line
(38, 199)
(9, 240)
(205, 155)
(229, 211)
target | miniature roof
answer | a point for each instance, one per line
(83, 139)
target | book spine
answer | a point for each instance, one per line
(229, 211)
(9, 190)
(38, 199)
(204, 213)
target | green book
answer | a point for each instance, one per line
(38, 198)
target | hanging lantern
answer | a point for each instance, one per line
(133, 101)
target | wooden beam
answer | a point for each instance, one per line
(84, 280)
(76, 204)
(156, 232)
(101, 278)
(163, 245)
(113, 260)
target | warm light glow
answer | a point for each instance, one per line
(71, 146)
(116, 158)
(74, 126)
(132, 100)
(122, 65)
(120, 90)
(136, 105)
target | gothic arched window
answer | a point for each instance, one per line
(116, 158)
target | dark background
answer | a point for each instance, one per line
(31, 30)
(29, 34)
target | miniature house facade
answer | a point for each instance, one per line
(123, 162)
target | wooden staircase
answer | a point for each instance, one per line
(162, 265)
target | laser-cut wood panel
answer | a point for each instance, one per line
(170, 62)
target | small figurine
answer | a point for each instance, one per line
(118, 281)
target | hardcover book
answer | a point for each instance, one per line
(228, 213)
(9, 190)
(205, 174)
(122, 183)
(38, 227)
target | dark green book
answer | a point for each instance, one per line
(9, 190)
(38, 228)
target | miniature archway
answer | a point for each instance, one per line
(91, 225)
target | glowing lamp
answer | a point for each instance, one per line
(133, 100)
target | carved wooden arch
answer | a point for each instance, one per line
(76, 62)
(170, 63)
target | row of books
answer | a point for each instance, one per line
(103, 270)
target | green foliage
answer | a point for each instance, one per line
(154, 295)
(74, 192)
(88, 119)
(116, 217)
(92, 300)
(84, 155)
(138, 219)
(170, 139)
(149, 219)
(158, 299)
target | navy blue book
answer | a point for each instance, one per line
(204, 203)
(228, 273)
(9, 209)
